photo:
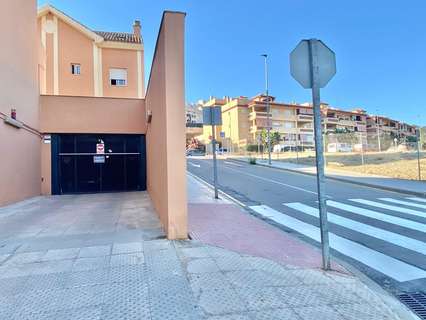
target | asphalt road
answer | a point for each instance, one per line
(381, 233)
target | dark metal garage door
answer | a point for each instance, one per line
(78, 167)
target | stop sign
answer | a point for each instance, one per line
(302, 57)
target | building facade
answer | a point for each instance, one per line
(389, 127)
(293, 122)
(75, 116)
(80, 62)
(244, 119)
(340, 121)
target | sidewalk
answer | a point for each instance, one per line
(104, 257)
(413, 187)
(264, 273)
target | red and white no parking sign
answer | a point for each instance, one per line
(100, 148)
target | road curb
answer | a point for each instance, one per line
(409, 192)
(387, 298)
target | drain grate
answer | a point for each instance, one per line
(416, 301)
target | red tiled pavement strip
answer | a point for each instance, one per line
(229, 227)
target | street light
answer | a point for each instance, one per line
(378, 130)
(265, 56)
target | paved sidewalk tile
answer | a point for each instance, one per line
(95, 251)
(103, 275)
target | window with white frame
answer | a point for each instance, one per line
(288, 125)
(118, 77)
(75, 68)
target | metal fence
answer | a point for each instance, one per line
(385, 155)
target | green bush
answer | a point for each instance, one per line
(252, 160)
(253, 148)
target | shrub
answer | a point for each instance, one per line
(253, 148)
(252, 160)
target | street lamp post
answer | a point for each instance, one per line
(268, 107)
(378, 133)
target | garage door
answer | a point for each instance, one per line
(89, 163)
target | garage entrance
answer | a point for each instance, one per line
(79, 166)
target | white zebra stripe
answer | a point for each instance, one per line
(379, 216)
(405, 203)
(391, 267)
(391, 237)
(417, 199)
(389, 207)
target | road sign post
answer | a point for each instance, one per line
(418, 153)
(313, 64)
(213, 116)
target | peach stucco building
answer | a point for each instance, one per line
(75, 116)
(80, 62)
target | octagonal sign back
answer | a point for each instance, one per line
(300, 63)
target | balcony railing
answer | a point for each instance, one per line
(306, 130)
(258, 114)
(303, 117)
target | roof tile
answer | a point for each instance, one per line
(119, 36)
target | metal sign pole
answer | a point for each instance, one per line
(214, 162)
(213, 116)
(319, 153)
(362, 149)
(268, 108)
(418, 153)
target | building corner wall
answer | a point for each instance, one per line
(166, 164)
(20, 163)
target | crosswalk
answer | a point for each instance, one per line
(384, 234)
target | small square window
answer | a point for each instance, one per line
(118, 77)
(75, 68)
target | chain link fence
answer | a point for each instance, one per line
(402, 157)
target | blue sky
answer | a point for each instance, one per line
(380, 46)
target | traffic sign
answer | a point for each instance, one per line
(212, 116)
(98, 159)
(300, 63)
(100, 148)
(222, 134)
(313, 64)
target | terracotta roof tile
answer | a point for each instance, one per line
(119, 36)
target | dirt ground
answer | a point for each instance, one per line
(401, 165)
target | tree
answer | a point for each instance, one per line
(275, 138)
(264, 139)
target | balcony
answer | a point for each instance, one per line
(258, 114)
(306, 130)
(305, 118)
(348, 123)
(330, 120)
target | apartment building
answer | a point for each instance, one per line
(336, 120)
(385, 126)
(75, 115)
(293, 122)
(243, 120)
(78, 61)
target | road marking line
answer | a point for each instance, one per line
(417, 199)
(379, 216)
(233, 164)
(395, 238)
(201, 180)
(405, 203)
(396, 269)
(389, 207)
(194, 165)
(273, 181)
